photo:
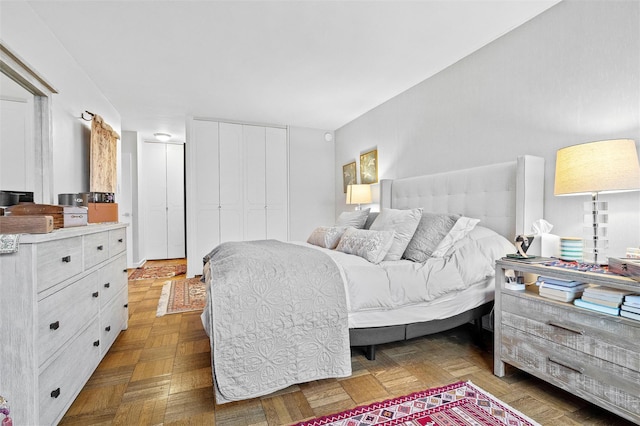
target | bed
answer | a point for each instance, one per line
(284, 313)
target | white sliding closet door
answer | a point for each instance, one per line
(162, 171)
(277, 184)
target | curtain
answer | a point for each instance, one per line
(103, 167)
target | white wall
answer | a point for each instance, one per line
(22, 31)
(569, 76)
(311, 182)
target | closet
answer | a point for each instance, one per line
(237, 185)
(162, 175)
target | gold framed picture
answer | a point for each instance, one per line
(369, 167)
(349, 176)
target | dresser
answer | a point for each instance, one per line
(589, 354)
(63, 302)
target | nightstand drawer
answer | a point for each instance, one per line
(583, 374)
(613, 339)
(57, 261)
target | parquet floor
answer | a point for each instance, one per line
(158, 372)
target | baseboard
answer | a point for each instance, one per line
(139, 264)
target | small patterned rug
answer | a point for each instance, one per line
(152, 272)
(459, 404)
(182, 296)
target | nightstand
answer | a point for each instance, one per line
(589, 354)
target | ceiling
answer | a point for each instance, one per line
(316, 64)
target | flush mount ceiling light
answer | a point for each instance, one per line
(162, 137)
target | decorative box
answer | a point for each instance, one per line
(103, 212)
(26, 224)
(30, 209)
(627, 267)
(75, 216)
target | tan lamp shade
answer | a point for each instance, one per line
(358, 194)
(597, 167)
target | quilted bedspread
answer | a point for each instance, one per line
(277, 316)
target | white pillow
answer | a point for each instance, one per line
(355, 218)
(463, 226)
(370, 245)
(326, 236)
(403, 223)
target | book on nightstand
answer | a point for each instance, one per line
(561, 295)
(596, 307)
(630, 315)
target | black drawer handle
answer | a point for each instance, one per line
(565, 327)
(96, 343)
(578, 370)
(126, 305)
(107, 285)
(96, 294)
(107, 328)
(100, 247)
(66, 259)
(54, 325)
(55, 393)
(124, 270)
(120, 240)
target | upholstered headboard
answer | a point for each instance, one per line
(506, 197)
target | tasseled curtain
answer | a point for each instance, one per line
(103, 156)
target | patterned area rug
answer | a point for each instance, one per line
(182, 296)
(152, 272)
(458, 404)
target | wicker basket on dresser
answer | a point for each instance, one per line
(64, 300)
(595, 356)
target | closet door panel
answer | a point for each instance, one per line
(231, 182)
(204, 146)
(155, 198)
(254, 182)
(175, 201)
(277, 183)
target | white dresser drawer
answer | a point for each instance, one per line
(113, 319)
(58, 260)
(96, 248)
(117, 241)
(113, 278)
(61, 382)
(64, 313)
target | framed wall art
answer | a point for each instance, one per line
(369, 167)
(349, 176)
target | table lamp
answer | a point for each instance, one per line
(358, 194)
(597, 168)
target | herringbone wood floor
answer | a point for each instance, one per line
(158, 372)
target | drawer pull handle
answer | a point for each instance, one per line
(96, 343)
(124, 270)
(54, 325)
(55, 393)
(126, 305)
(66, 259)
(120, 240)
(100, 247)
(107, 328)
(565, 327)
(578, 370)
(107, 285)
(96, 294)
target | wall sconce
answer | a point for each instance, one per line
(597, 168)
(358, 194)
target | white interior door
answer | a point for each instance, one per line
(231, 182)
(125, 203)
(175, 201)
(254, 183)
(277, 184)
(154, 176)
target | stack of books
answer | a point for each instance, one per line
(631, 307)
(602, 299)
(559, 289)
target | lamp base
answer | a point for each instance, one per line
(595, 242)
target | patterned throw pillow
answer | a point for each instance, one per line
(327, 236)
(432, 229)
(463, 226)
(403, 223)
(355, 218)
(370, 245)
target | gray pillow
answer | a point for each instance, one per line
(403, 223)
(372, 216)
(432, 229)
(355, 218)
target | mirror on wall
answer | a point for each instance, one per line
(25, 128)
